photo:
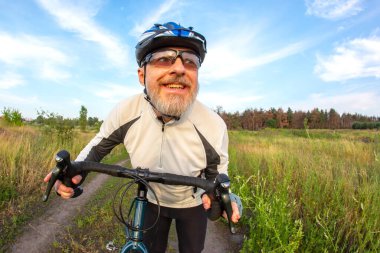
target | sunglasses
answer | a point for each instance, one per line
(166, 58)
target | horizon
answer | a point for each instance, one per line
(58, 55)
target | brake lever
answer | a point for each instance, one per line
(54, 176)
(224, 186)
(64, 172)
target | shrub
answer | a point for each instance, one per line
(12, 116)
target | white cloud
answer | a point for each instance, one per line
(14, 50)
(164, 9)
(357, 58)
(113, 93)
(367, 103)
(8, 98)
(229, 59)
(33, 53)
(78, 17)
(10, 80)
(333, 9)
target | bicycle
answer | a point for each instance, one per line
(218, 190)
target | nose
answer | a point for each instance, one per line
(178, 66)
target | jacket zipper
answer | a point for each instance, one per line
(162, 140)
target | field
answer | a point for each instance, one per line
(26, 156)
(302, 192)
(308, 193)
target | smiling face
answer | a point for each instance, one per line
(172, 88)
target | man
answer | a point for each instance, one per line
(166, 129)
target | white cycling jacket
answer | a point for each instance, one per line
(196, 143)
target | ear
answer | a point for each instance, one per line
(141, 75)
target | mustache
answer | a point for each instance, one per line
(179, 80)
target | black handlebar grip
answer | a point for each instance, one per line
(64, 172)
(64, 162)
(215, 211)
(171, 179)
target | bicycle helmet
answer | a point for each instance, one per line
(168, 35)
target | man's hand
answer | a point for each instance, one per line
(64, 191)
(235, 210)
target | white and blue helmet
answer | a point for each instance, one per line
(169, 34)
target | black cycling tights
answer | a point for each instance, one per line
(191, 224)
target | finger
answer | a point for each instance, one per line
(206, 201)
(234, 218)
(64, 188)
(47, 177)
(76, 179)
(235, 212)
(224, 215)
(66, 195)
(64, 191)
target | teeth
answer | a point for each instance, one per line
(175, 86)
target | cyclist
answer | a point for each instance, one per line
(166, 129)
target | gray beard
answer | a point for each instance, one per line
(174, 105)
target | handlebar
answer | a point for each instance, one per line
(218, 190)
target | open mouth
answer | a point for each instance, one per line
(175, 86)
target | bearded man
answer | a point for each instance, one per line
(167, 130)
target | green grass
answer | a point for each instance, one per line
(96, 226)
(301, 193)
(317, 194)
(26, 156)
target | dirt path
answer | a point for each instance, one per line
(42, 231)
(218, 239)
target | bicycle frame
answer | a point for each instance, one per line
(134, 236)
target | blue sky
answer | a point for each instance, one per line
(59, 55)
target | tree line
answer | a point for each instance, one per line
(52, 120)
(56, 120)
(256, 119)
(250, 119)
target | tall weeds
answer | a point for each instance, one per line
(309, 194)
(26, 156)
